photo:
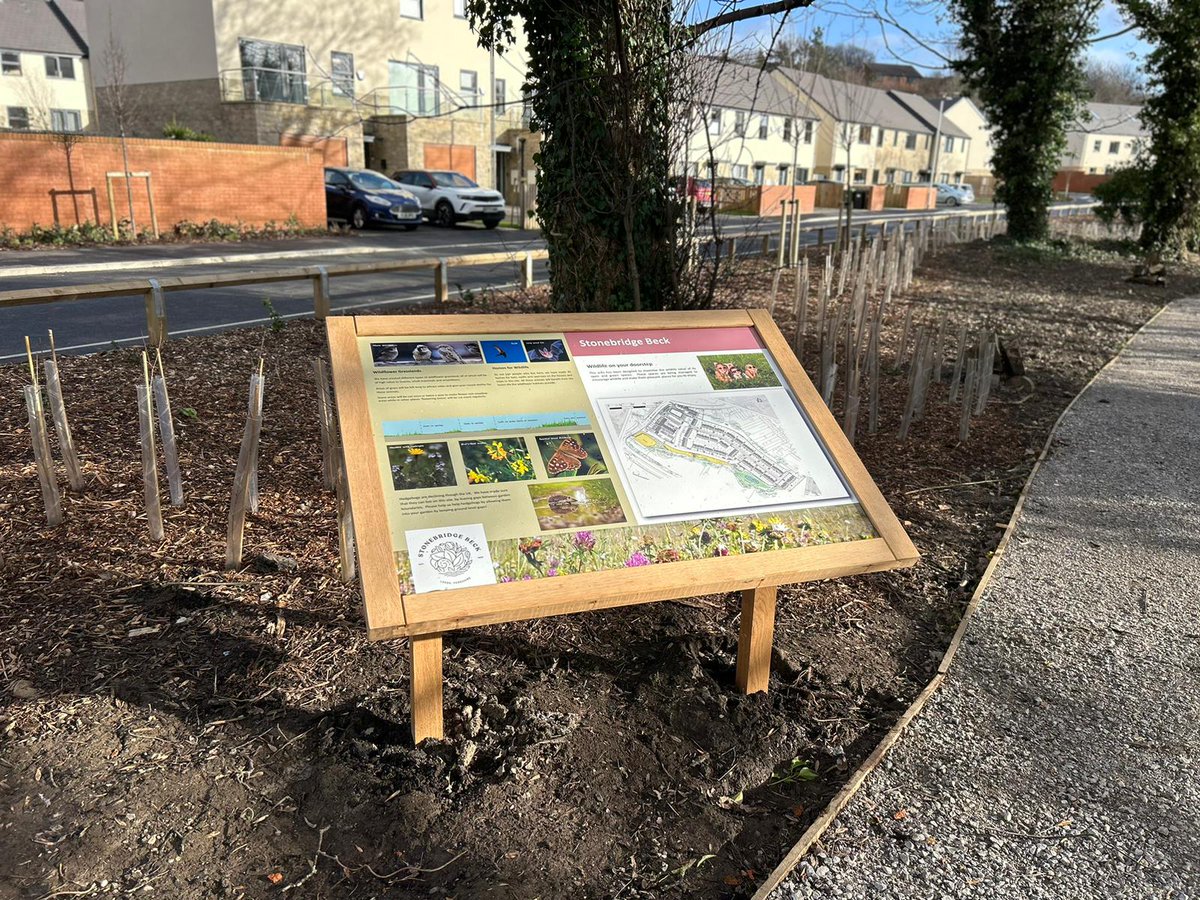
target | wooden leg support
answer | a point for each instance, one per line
(425, 676)
(754, 640)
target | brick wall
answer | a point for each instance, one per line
(770, 196)
(193, 181)
(1078, 182)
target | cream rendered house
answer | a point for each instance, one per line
(1109, 137)
(402, 82)
(44, 72)
(963, 112)
(747, 125)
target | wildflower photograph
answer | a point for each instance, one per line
(499, 459)
(569, 455)
(421, 466)
(576, 504)
(731, 371)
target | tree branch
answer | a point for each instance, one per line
(739, 15)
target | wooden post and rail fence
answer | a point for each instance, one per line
(154, 290)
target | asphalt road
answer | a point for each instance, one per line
(91, 325)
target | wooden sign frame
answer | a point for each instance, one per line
(425, 617)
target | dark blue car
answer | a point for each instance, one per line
(362, 197)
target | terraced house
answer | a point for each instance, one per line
(44, 66)
(748, 126)
(392, 84)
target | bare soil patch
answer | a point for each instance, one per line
(167, 725)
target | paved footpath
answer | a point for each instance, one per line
(1061, 758)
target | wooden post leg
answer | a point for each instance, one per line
(425, 671)
(441, 281)
(754, 640)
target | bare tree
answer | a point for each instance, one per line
(1115, 82)
(121, 106)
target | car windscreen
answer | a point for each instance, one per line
(369, 181)
(452, 180)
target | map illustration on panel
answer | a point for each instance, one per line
(698, 453)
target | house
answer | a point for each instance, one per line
(747, 125)
(951, 145)
(391, 84)
(963, 112)
(865, 135)
(44, 75)
(891, 75)
(1109, 136)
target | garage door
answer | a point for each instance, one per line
(452, 157)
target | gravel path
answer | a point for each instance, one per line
(1059, 759)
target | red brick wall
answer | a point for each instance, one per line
(191, 180)
(1078, 182)
(333, 150)
(770, 196)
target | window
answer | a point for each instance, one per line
(460, 8)
(739, 123)
(501, 98)
(910, 141)
(783, 174)
(896, 138)
(1114, 147)
(875, 173)
(414, 88)
(905, 177)
(949, 144)
(60, 67)
(879, 142)
(65, 120)
(468, 83)
(801, 175)
(714, 122)
(860, 176)
(787, 129)
(1097, 146)
(740, 172)
(412, 9)
(889, 176)
(1092, 170)
(864, 134)
(759, 173)
(273, 72)
(18, 118)
(764, 127)
(10, 62)
(808, 132)
(341, 70)
(927, 139)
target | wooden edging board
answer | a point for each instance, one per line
(842, 799)
(398, 384)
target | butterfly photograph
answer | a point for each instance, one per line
(571, 455)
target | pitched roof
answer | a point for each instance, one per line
(733, 85)
(43, 26)
(1111, 118)
(856, 103)
(927, 112)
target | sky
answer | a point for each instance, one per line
(855, 22)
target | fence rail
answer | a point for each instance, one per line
(154, 290)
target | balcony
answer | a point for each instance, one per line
(252, 84)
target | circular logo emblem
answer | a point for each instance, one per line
(450, 558)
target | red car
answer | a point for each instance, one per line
(695, 188)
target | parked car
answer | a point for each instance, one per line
(696, 189)
(448, 198)
(362, 197)
(954, 194)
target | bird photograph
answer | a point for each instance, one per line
(448, 354)
(421, 353)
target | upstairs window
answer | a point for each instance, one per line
(879, 140)
(272, 72)
(10, 62)
(1097, 146)
(341, 69)
(60, 67)
(460, 9)
(949, 144)
(1114, 147)
(18, 118)
(468, 84)
(764, 127)
(910, 141)
(787, 129)
(501, 96)
(864, 134)
(808, 132)
(714, 122)
(414, 88)
(412, 9)
(739, 123)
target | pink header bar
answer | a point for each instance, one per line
(670, 340)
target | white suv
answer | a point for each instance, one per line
(448, 198)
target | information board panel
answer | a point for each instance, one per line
(508, 467)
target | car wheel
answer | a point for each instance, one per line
(954, 201)
(443, 214)
(491, 223)
(358, 218)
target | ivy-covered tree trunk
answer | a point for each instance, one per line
(599, 87)
(1171, 187)
(1025, 60)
